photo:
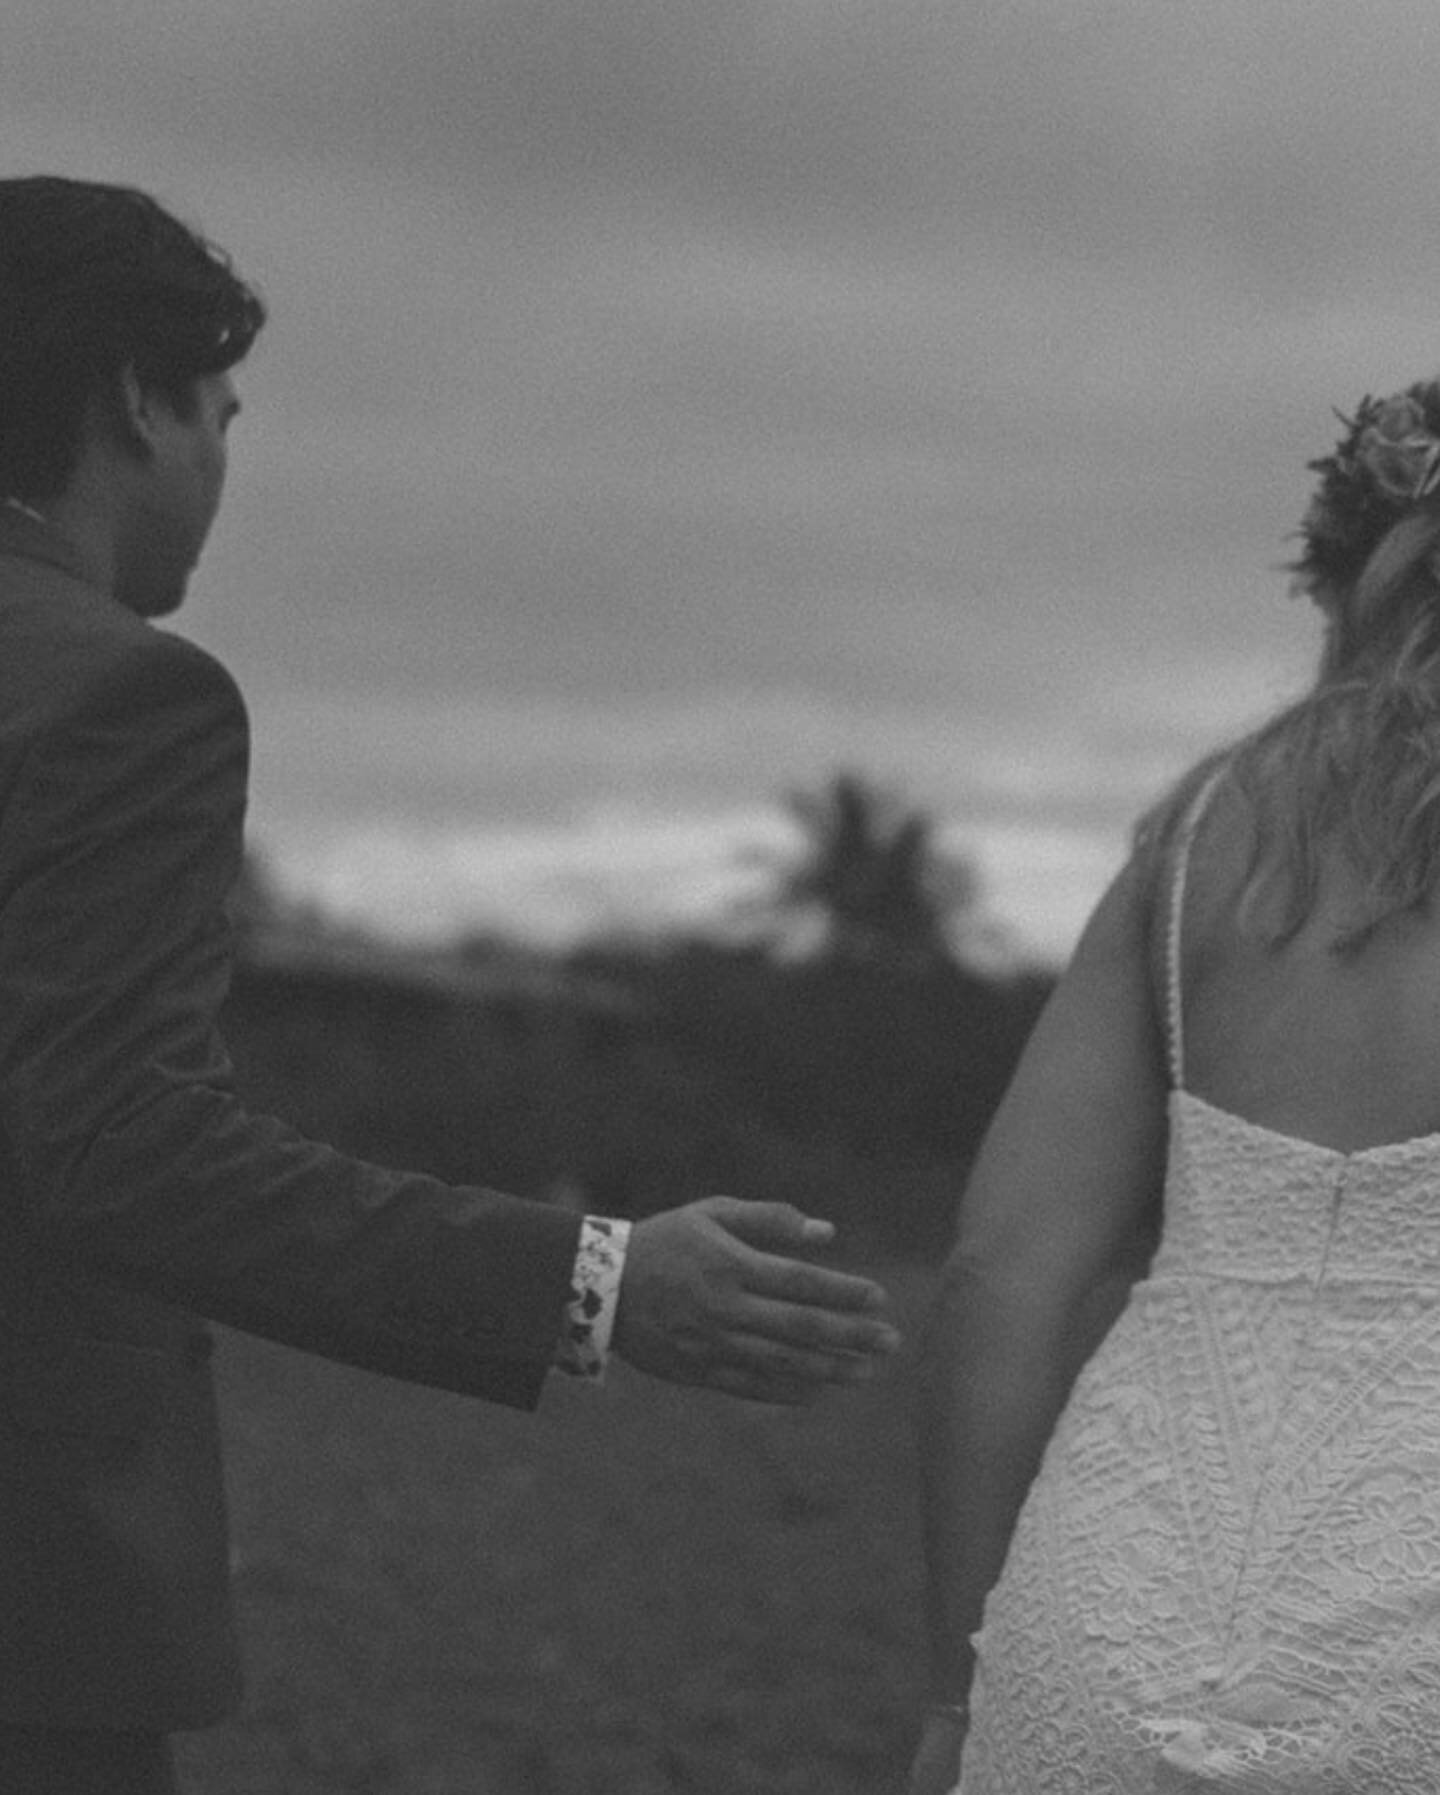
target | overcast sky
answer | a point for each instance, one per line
(668, 402)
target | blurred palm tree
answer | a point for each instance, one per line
(871, 882)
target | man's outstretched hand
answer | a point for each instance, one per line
(713, 1294)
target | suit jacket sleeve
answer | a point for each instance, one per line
(134, 1160)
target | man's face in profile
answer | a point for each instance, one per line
(179, 495)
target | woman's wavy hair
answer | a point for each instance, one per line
(1354, 765)
(95, 279)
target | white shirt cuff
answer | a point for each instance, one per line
(584, 1348)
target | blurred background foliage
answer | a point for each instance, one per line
(837, 1045)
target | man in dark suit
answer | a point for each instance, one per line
(137, 1194)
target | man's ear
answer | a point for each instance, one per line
(134, 411)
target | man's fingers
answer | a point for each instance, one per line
(804, 1327)
(773, 1231)
(793, 1281)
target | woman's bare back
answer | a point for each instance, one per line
(1340, 1050)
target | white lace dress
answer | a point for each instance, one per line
(1226, 1576)
(1227, 1573)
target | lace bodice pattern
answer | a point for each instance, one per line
(1226, 1576)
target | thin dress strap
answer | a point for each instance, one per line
(1180, 868)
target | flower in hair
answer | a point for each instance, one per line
(1399, 451)
(1387, 460)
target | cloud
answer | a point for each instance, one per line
(674, 401)
(1116, 129)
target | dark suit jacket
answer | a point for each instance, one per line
(137, 1193)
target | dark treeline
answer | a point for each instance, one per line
(854, 1077)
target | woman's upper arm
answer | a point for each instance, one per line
(1072, 1166)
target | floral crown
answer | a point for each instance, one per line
(1387, 461)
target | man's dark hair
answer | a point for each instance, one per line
(95, 279)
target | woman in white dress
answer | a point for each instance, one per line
(1218, 1516)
